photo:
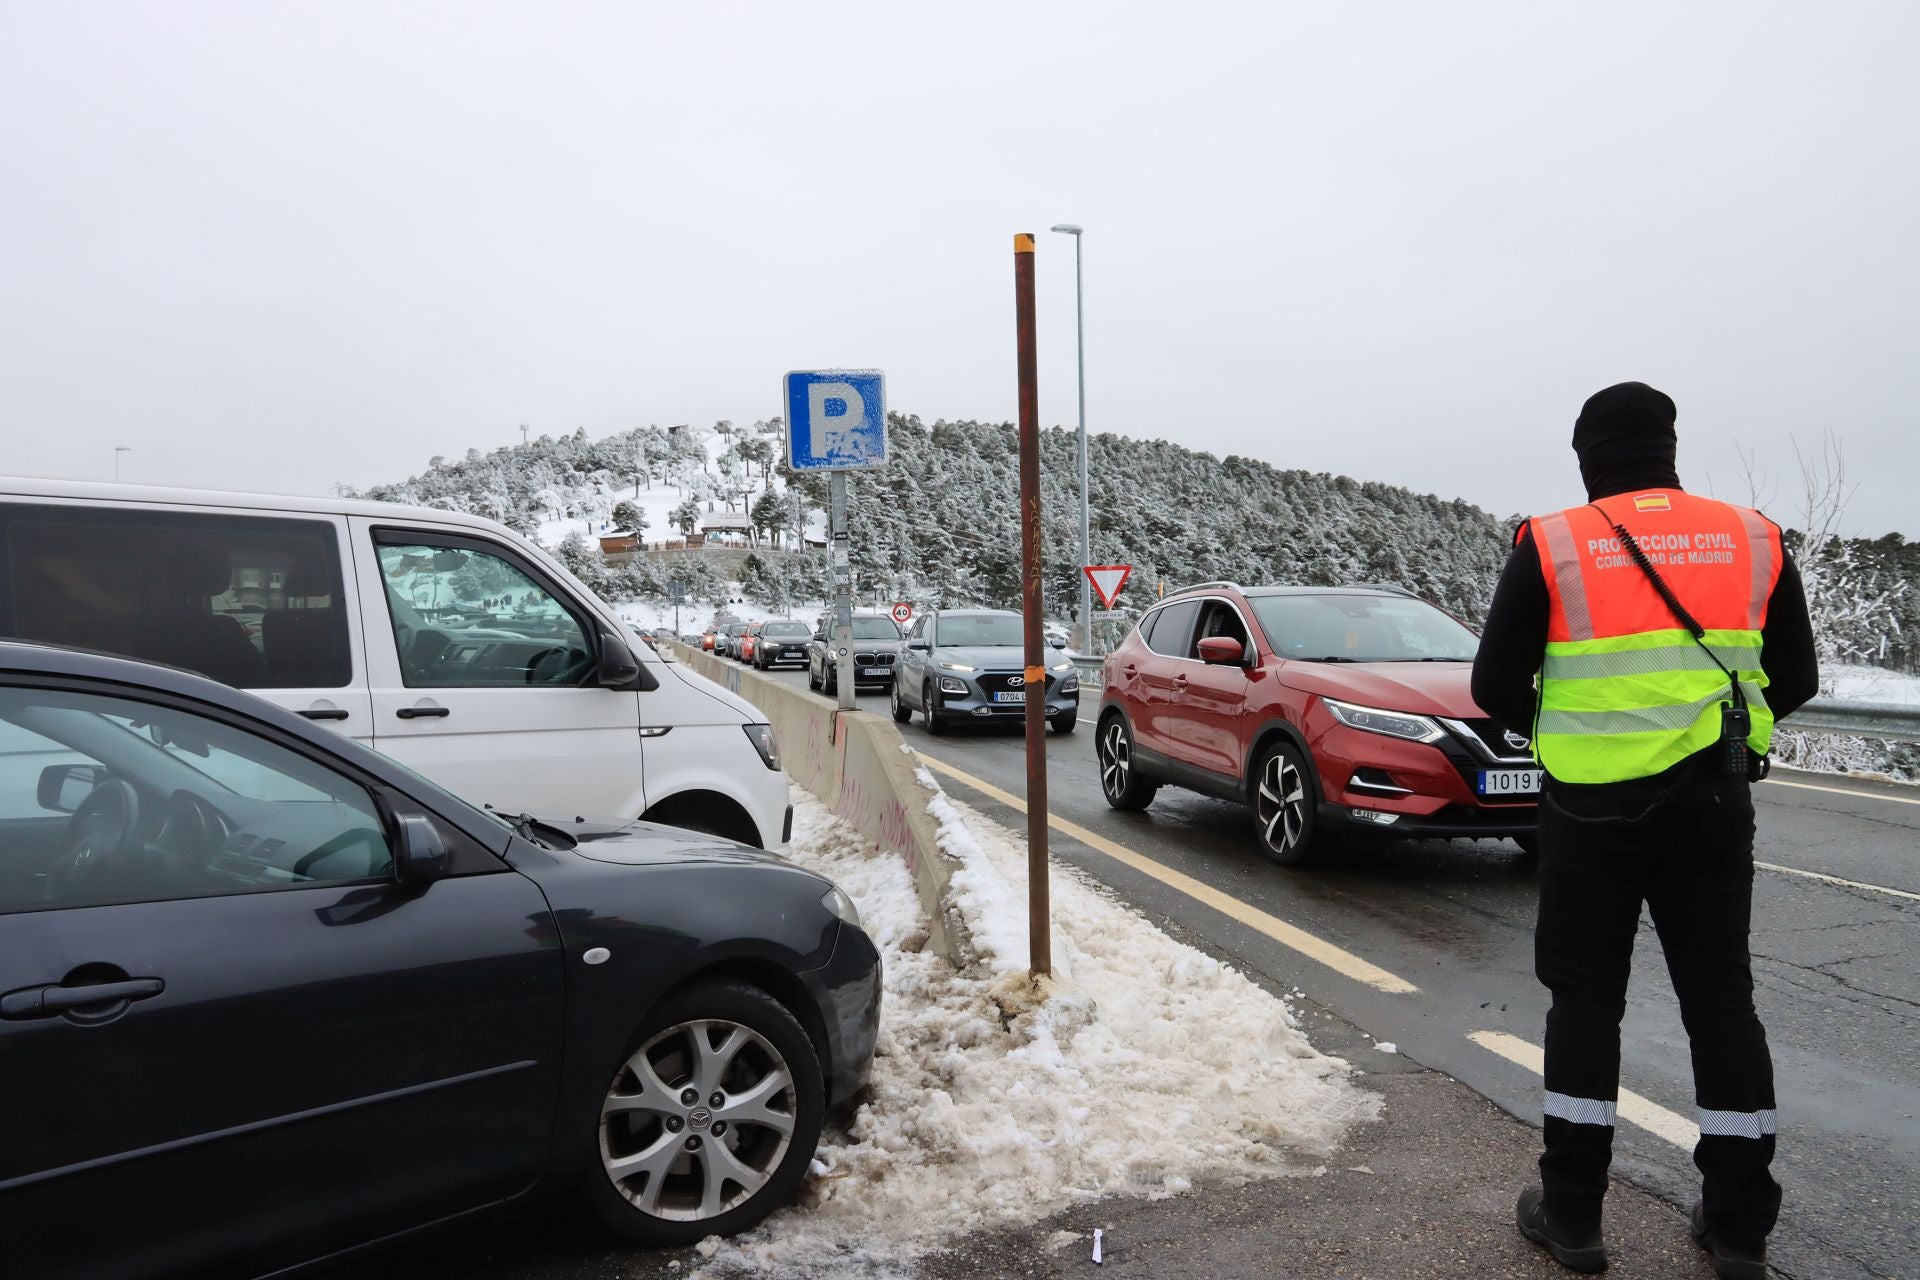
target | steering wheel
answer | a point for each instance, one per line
(97, 845)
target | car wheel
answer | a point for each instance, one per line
(709, 1122)
(813, 681)
(929, 706)
(1284, 805)
(1064, 722)
(901, 711)
(1122, 784)
(1529, 845)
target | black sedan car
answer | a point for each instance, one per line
(267, 996)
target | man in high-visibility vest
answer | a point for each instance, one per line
(1667, 633)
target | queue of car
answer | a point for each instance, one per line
(380, 879)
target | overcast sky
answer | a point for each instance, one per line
(277, 246)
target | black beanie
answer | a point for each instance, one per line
(1625, 439)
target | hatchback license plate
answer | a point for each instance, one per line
(1018, 695)
(1510, 782)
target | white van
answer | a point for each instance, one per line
(449, 642)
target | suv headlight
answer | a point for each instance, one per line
(1393, 724)
(836, 901)
(948, 684)
(761, 736)
(1064, 665)
(954, 666)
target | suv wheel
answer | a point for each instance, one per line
(1064, 722)
(901, 711)
(709, 1122)
(930, 707)
(1283, 805)
(1121, 783)
(813, 681)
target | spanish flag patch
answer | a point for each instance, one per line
(1653, 502)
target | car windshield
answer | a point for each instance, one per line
(1362, 628)
(787, 630)
(966, 631)
(875, 629)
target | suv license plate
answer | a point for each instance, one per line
(874, 671)
(1018, 695)
(1510, 782)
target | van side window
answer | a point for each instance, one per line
(254, 603)
(467, 619)
(1173, 632)
(1217, 618)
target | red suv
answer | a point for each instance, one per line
(1324, 710)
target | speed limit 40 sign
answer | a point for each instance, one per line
(902, 613)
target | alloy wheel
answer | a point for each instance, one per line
(1281, 805)
(1116, 759)
(697, 1120)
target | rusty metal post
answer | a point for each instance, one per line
(1039, 914)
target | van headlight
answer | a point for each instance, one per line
(1392, 724)
(761, 736)
(836, 901)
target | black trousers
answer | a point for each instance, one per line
(1682, 843)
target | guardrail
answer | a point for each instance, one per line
(1891, 721)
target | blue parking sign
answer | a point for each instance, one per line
(836, 420)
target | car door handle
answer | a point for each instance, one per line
(1129, 671)
(423, 713)
(325, 713)
(44, 1002)
(1180, 683)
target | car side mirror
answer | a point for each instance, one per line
(1221, 651)
(63, 786)
(919, 644)
(1057, 643)
(421, 856)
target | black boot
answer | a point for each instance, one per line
(1576, 1253)
(1728, 1263)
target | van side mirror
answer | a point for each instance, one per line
(619, 669)
(421, 856)
(63, 786)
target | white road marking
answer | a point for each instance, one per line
(1826, 879)
(1647, 1114)
(1842, 791)
(1336, 958)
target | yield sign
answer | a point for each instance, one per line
(1107, 579)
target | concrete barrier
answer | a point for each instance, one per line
(857, 763)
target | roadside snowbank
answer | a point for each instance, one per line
(1147, 1067)
(1870, 684)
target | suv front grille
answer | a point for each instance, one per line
(1003, 682)
(1488, 740)
(873, 659)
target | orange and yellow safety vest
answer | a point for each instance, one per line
(1625, 692)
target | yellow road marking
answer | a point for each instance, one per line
(1827, 879)
(1842, 791)
(1318, 949)
(1647, 1114)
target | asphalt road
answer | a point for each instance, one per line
(1837, 967)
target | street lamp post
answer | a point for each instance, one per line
(117, 451)
(1080, 344)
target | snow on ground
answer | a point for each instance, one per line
(1870, 684)
(1147, 1068)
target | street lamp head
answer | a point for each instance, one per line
(1067, 228)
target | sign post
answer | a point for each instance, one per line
(1039, 913)
(836, 423)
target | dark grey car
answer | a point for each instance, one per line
(876, 652)
(970, 664)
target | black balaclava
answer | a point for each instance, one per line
(1625, 440)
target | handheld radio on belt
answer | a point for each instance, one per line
(1737, 759)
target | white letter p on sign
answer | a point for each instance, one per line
(835, 412)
